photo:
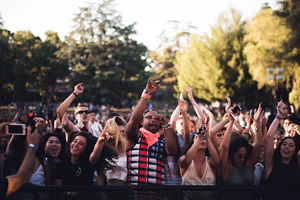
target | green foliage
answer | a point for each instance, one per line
(265, 38)
(214, 65)
(104, 56)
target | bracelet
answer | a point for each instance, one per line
(166, 126)
(33, 146)
(146, 95)
(75, 94)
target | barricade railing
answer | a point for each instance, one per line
(171, 192)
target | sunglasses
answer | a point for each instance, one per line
(83, 111)
(150, 117)
(240, 156)
(220, 135)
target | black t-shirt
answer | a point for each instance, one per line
(3, 187)
(74, 174)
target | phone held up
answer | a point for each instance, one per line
(31, 115)
(15, 129)
(202, 131)
(235, 111)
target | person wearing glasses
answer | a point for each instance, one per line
(146, 150)
(82, 114)
(238, 157)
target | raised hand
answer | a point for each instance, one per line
(228, 105)
(32, 138)
(152, 86)
(182, 104)
(104, 136)
(257, 113)
(282, 110)
(162, 120)
(189, 91)
(78, 89)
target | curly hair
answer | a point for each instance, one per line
(236, 143)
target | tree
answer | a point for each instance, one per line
(7, 64)
(49, 64)
(266, 37)
(24, 46)
(173, 38)
(214, 66)
(289, 11)
(104, 56)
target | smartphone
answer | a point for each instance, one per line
(16, 129)
(235, 109)
(282, 108)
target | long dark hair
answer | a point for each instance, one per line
(294, 161)
(59, 136)
(236, 143)
(107, 157)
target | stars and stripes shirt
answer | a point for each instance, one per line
(146, 165)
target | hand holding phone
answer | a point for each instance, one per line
(15, 129)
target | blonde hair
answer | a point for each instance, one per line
(113, 128)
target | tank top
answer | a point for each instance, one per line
(190, 177)
(120, 170)
(242, 176)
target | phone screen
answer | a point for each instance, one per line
(15, 129)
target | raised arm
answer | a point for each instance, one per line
(182, 104)
(27, 167)
(61, 110)
(186, 160)
(214, 155)
(269, 140)
(175, 114)
(224, 148)
(99, 146)
(197, 108)
(171, 143)
(258, 136)
(131, 130)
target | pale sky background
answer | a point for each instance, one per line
(151, 16)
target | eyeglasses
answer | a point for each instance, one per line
(150, 117)
(80, 112)
(240, 156)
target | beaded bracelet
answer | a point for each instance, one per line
(166, 126)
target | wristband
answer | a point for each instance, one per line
(75, 94)
(146, 95)
(166, 126)
(33, 146)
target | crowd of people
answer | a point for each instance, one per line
(148, 148)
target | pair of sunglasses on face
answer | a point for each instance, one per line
(240, 156)
(80, 112)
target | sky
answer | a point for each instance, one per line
(151, 16)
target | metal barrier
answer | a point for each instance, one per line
(172, 192)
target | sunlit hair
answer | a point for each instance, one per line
(113, 129)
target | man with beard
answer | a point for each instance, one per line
(146, 149)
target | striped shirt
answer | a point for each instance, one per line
(146, 165)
